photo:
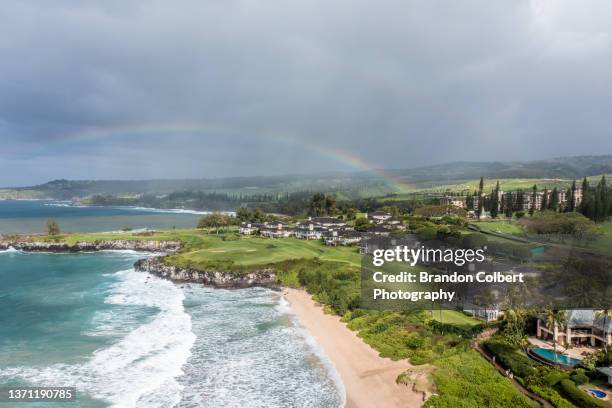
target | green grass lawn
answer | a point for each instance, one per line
(604, 242)
(453, 317)
(249, 251)
(505, 227)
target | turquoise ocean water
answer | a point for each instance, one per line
(31, 217)
(129, 339)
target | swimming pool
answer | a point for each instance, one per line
(553, 357)
(598, 393)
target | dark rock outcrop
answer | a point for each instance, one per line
(265, 277)
(86, 246)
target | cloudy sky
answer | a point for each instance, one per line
(210, 88)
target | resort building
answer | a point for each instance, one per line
(247, 228)
(276, 232)
(327, 222)
(582, 327)
(381, 230)
(341, 237)
(378, 217)
(488, 314)
(309, 230)
(454, 201)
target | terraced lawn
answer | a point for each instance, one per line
(453, 317)
(505, 227)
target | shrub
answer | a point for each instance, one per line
(580, 378)
(422, 357)
(414, 341)
(554, 377)
(551, 395)
(579, 397)
(509, 357)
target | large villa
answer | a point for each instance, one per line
(583, 327)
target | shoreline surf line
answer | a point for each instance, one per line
(369, 380)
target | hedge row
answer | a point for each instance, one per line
(508, 356)
(445, 328)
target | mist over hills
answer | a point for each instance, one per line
(558, 168)
(561, 167)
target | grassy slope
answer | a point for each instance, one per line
(252, 251)
(453, 317)
(505, 227)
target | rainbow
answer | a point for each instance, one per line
(346, 157)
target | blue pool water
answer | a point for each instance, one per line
(553, 357)
(598, 393)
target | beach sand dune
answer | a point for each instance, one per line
(368, 378)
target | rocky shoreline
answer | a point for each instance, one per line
(90, 246)
(265, 277)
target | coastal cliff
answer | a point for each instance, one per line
(265, 277)
(87, 246)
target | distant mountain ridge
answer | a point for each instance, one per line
(561, 167)
(574, 167)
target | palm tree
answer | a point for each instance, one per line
(607, 315)
(555, 319)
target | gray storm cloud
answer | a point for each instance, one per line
(399, 83)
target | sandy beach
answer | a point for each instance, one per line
(369, 380)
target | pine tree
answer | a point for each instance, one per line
(520, 200)
(469, 202)
(495, 201)
(572, 198)
(544, 206)
(554, 200)
(534, 195)
(602, 206)
(480, 198)
(568, 199)
(587, 206)
(509, 204)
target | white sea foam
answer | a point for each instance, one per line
(136, 208)
(285, 308)
(139, 370)
(249, 355)
(10, 250)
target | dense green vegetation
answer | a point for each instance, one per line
(466, 380)
(511, 357)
